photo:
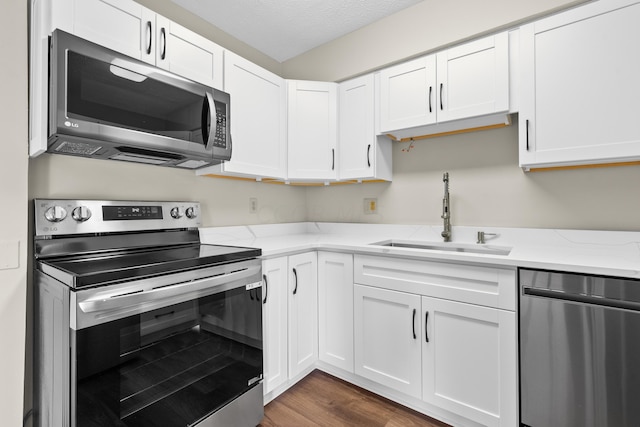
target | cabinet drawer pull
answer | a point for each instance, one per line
(171, 313)
(149, 37)
(266, 288)
(430, 90)
(426, 331)
(333, 159)
(526, 126)
(295, 275)
(413, 324)
(441, 86)
(369, 155)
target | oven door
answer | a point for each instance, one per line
(169, 356)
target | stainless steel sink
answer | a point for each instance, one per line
(451, 247)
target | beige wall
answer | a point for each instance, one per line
(425, 27)
(13, 215)
(224, 201)
(487, 189)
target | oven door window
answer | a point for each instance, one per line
(172, 366)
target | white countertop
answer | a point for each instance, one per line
(610, 253)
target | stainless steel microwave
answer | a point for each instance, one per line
(106, 105)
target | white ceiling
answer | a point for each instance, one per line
(283, 29)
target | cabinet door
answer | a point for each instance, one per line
(580, 86)
(335, 309)
(121, 25)
(361, 154)
(387, 338)
(303, 312)
(188, 54)
(473, 79)
(407, 94)
(274, 323)
(312, 135)
(469, 360)
(258, 119)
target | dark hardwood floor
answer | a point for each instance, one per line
(323, 400)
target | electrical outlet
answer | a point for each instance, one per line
(370, 206)
(253, 205)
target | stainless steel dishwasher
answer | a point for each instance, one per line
(579, 350)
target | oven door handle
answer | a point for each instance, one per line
(172, 294)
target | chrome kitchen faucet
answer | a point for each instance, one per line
(446, 211)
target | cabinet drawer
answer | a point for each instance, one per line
(487, 286)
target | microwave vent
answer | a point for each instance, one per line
(77, 148)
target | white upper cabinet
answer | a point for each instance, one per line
(258, 121)
(580, 86)
(121, 25)
(428, 94)
(312, 130)
(133, 30)
(188, 54)
(361, 154)
(407, 97)
(473, 79)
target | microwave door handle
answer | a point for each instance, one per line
(209, 114)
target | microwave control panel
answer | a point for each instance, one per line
(220, 135)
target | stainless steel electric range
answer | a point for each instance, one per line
(138, 323)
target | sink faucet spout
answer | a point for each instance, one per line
(446, 211)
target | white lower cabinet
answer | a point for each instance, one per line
(335, 309)
(469, 360)
(413, 336)
(439, 337)
(274, 322)
(290, 319)
(303, 312)
(387, 344)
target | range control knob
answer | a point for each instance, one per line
(176, 213)
(81, 213)
(55, 214)
(191, 213)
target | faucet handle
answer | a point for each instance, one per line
(482, 235)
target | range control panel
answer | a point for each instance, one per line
(61, 216)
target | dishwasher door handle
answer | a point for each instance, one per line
(580, 298)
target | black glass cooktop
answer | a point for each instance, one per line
(100, 269)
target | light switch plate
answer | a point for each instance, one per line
(9, 254)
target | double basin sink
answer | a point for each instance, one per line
(443, 246)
